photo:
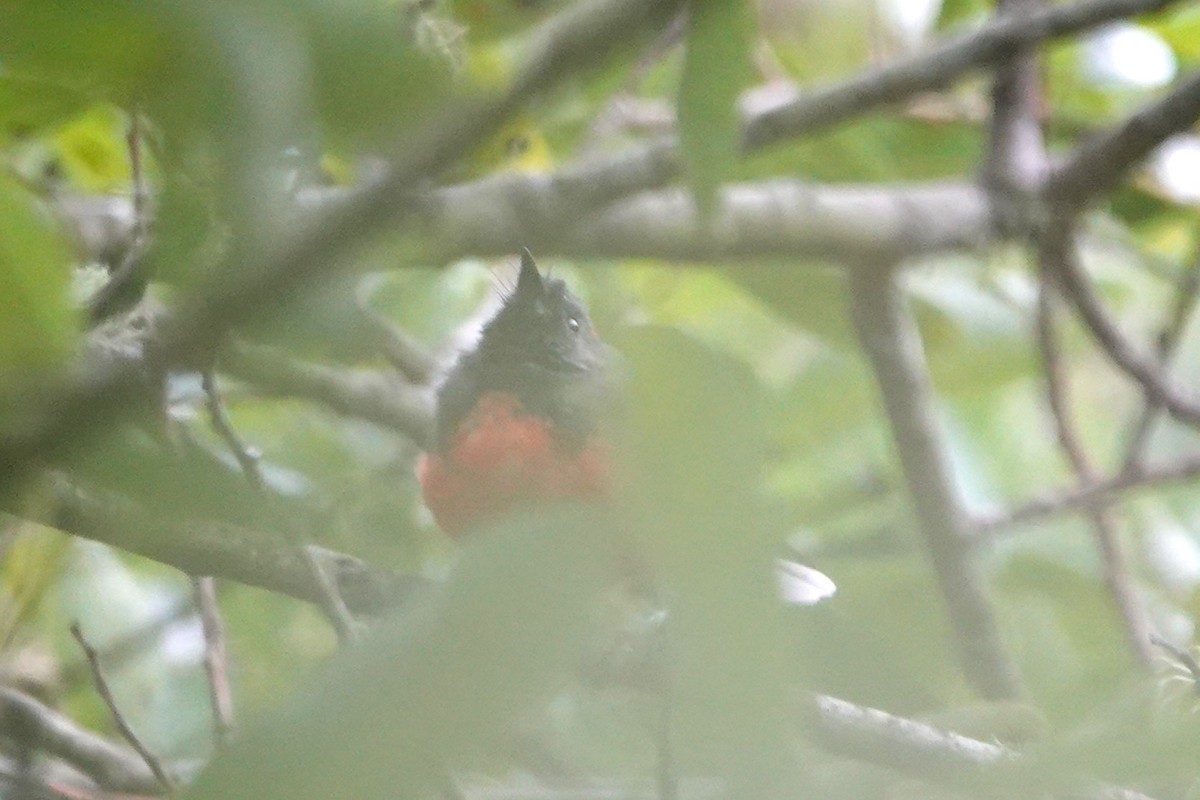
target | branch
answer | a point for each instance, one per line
(848, 730)
(936, 68)
(368, 395)
(1016, 164)
(1057, 247)
(219, 420)
(1016, 172)
(403, 352)
(888, 335)
(113, 767)
(1168, 340)
(572, 213)
(330, 601)
(107, 226)
(1133, 615)
(931, 755)
(128, 280)
(216, 658)
(1100, 165)
(777, 218)
(151, 760)
(225, 551)
(1094, 495)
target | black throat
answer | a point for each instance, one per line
(539, 348)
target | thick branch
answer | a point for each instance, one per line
(225, 551)
(1101, 164)
(781, 218)
(568, 213)
(889, 337)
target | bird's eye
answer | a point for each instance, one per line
(573, 324)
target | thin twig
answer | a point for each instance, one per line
(402, 351)
(1186, 659)
(1168, 342)
(127, 282)
(216, 659)
(1116, 570)
(331, 601)
(122, 724)
(127, 646)
(114, 767)
(1057, 243)
(221, 424)
(1080, 498)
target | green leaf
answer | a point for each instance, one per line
(28, 105)
(453, 671)
(695, 459)
(369, 82)
(37, 321)
(716, 68)
(74, 44)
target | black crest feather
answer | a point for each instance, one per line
(539, 347)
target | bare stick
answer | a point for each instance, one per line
(1168, 341)
(1057, 244)
(403, 352)
(247, 460)
(331, 600)
(216, 660)
(368, 395)
(1098, 494)
(889, 336)
(151, 760)
(126, 284)
(1116, 570)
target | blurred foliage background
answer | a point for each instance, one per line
(169, 148)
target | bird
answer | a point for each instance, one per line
(524, 418)
(519, 416)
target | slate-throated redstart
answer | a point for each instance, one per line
(518, 415)
(519, 419)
